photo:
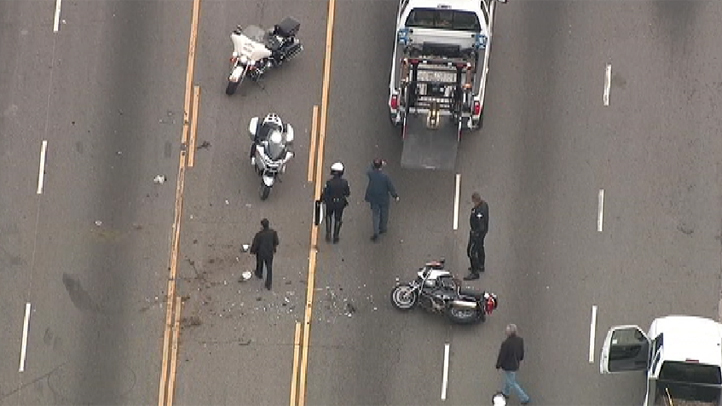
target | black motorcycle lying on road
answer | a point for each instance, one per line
(436, 290)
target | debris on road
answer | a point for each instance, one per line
(160, 179)
(98, 223)
(204, 145)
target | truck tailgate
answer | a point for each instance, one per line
(426, 148)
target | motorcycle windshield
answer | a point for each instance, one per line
(275, 150)
(251, 43)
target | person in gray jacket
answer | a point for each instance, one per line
(378, 191)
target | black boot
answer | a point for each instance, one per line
(470, 277)
(336, 231)
(328, 229)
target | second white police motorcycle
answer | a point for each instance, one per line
(271, 149)
(256, 50)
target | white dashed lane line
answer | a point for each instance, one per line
(592, 333)
(24, 345)
(600, 210)
(456, 201)
(445, 378)
(607, 83)
(56, 18)
(41, 170)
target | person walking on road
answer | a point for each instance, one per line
(377, 194)
(264, 247)
(510, 356)
(479, 222)
(335, 196)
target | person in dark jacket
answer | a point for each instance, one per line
(378, 191)
(335, 196)
(264, 247)
(510, 356)
(479, 226)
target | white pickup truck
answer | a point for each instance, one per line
(681, 355)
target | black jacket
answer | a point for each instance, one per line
(479, 220)
(336, 192)
(265, 243)
(511, 354)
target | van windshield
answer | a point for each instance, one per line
(443, 19)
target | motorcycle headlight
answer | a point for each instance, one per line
(244, 59)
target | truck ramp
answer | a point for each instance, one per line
(427, 148)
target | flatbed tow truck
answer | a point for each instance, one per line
(438, 76)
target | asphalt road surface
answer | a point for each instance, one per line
(548, 146)
(89, 252)
(88, 246)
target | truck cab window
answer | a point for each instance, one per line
(443, 19)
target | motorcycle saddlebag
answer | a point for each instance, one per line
(288, 27)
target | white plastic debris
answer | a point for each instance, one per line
(226, 201)
(98, 223)
(245, 247)
(160, 179)
(246, 275)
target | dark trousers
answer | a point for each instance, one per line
(334, 219)
(268, 261)
(475, 252)
(380, 216)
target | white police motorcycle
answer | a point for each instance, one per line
(271, 149)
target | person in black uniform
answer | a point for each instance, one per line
(335, 196)
(264, 247)
(479, 222)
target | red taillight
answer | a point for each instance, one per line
(233, 60)
(394, 102)
(414, 61)
(477, 108)
(490, 305)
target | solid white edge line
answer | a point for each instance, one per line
(456, 201)
(24, 346)
(56, 19)
(592, 333)
(445, 380)
(607, 83)
(600, 211)
(41, 170)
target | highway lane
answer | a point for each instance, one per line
(375, 355)
(96, 288)
(653, 150)
(548, 146)
(21, 132)
(237, 340)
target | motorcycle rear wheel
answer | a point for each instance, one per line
(404, 297)
(465, 316)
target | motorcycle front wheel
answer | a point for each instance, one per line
(265, 191)
(404, 297)
(231, 88)
(465, 316)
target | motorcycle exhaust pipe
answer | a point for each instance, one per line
(464, 304)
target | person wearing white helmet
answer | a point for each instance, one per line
(335, 196)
